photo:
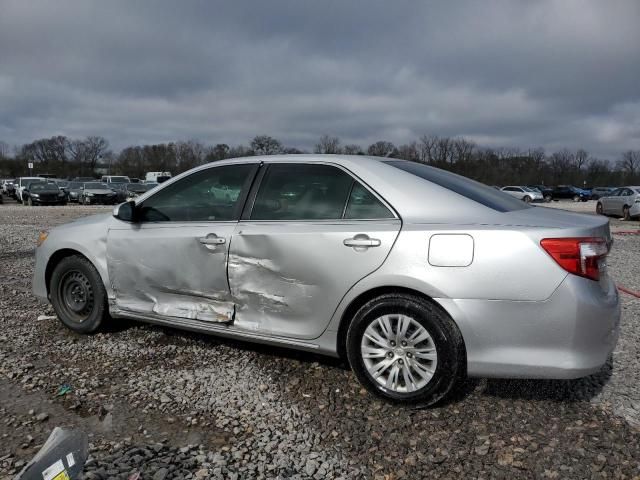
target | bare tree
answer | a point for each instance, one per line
(462, 150)
(381, 149)
(409, 152)
(266, 145)
(328, 145)
(630, 164)
(4, 149)
(353, 149)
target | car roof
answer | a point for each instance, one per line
(407, 193)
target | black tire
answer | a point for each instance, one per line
(599, 209)
(80, 316)
(547, 198)
(451, 356)
(626, 215)
(527, 199)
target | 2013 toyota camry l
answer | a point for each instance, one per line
(415, 275)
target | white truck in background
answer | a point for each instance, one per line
(157, 177)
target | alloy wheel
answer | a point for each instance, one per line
(399, 353)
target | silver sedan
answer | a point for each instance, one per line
(623, 202)
(412, 274)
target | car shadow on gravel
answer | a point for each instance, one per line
(581, 389)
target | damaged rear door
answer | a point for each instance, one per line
(312, 233)
(172, 261)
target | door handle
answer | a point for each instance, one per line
(212, 239)
(361, 240)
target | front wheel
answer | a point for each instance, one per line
(599, 209)
(576, 198)
(78, 295)
(547, 198)
(405, 349)
(30, 202)
(527, 199)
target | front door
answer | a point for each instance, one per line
(172, 261)
(313, 232)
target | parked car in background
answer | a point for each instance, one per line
(74, 191)
(570, 192)
(7, 186)
(157, 177)
(97, 193)
(118, 179)
(525, 194)
(84, 179)
(623, 202)
(547, 192)
(378, 261)
(134, 190)
(151, 184)
(43, 193)
(63, 185)
(598, 192)
(22, 183)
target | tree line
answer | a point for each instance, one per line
(66, 157)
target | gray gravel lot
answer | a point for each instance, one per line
(170, 404)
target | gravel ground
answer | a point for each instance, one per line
(169, 404)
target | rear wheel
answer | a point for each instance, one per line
(576, 198)
(599, 209)
(78, 295)
(626, 215)
(405, 349)
(547, 198)
(30, 202)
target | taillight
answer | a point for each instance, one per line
(580, 256)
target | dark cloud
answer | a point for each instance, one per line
(552, 74)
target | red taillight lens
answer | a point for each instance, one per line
(580, 256)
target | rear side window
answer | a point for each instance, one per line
(302, 192)
(476, 191)
(363, 205)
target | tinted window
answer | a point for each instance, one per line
(616, 192)
(302, 192)
(476, 191)
(363, 205)
(208, 195)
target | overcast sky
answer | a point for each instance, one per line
(527, 74)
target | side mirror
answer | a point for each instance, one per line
(125, 212)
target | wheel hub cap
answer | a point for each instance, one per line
(399, 353)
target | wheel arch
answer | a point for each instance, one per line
(364, 297)
(55, 259)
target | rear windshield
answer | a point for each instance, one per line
(476, 191)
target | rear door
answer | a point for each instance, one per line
(173, 261)
(313, 231)
(609, 203)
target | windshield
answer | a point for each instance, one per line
(35, 187)
(96, 185)
(476, 191)
(137, 188)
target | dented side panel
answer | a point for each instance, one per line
(166, 270)
(288, 278)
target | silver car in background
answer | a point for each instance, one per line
(623, 202)
(411, 273)
(523, 193)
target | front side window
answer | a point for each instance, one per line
(302, 192)
(206, 196)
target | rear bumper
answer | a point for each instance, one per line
(569, 335)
